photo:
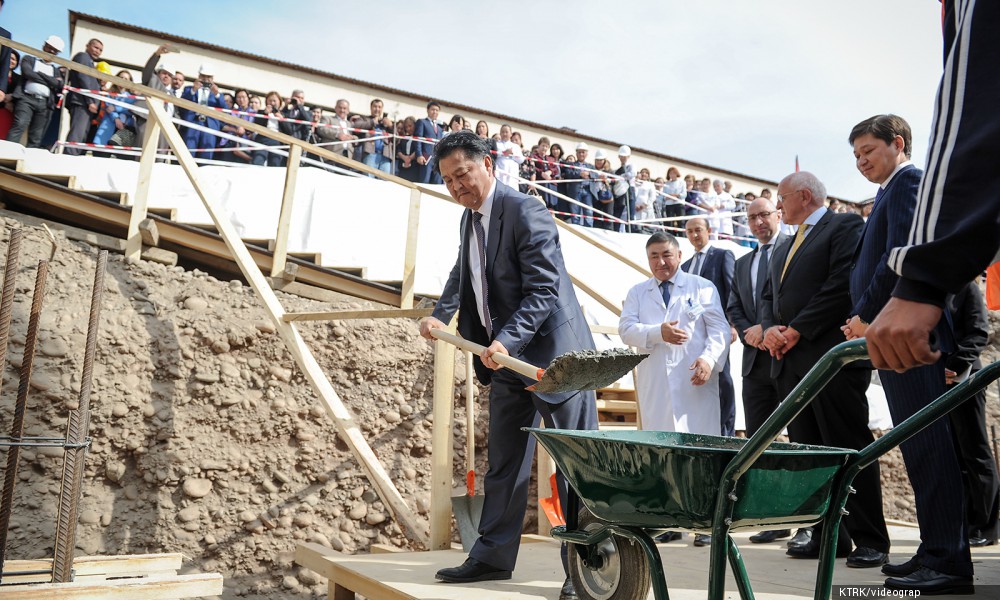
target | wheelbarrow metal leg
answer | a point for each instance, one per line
(739, 569)
(720, 540)
(831, 530)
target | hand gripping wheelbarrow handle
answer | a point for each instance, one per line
(518, 366)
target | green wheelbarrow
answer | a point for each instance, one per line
(636, 482)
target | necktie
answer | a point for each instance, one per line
(800, 235)
(477, 226)
(665, 292)
(878, 194)
(696, 267)
(762, 266)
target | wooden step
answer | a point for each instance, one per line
(165, 213)
(14, 164)
(110, 195)
(67, 181)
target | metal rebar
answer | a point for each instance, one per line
(7, 298)
(17, 428)
(76, 434)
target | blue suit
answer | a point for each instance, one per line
(718, 267)
(536, 316)
(425, 128)
(194, 138)
(930, 456)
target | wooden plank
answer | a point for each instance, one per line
(315, 258)
(285, 216)
(14, 164)
(164, 213)
(105, 242)
(442, 448)
(347, 425)
(604, 329)
(96, 567)
(67, 181)
(109, 195)
(624, 406)
(579, 232)
(69, 205)
(608, 304)
(133, 239)
(410, 254)
(411, 313)
(157, 587)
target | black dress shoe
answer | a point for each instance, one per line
(865, 558)
(978, 539)
(669, 536)
(811, 550)
(802, 536)
(470, 571)
(702, 539)
(766, 537)
(928, 581)
(902, 569)
(568, 592)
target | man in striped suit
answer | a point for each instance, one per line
(956, 230)
(943, 563)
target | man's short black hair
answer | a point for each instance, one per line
(660, 237)
(471, 145)
(885, 128)
(432, 103)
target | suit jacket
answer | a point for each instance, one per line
(534, 310)
(426, 129)
(4, 63)
(28, 73)
(814, 297)
(717, 267)
(743, 309)
(214, 100)
(972, 328)
(82, 81)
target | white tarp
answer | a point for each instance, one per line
(361, 222)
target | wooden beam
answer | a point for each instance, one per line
(338, 315)
(347, 425)
(442, 445)
(133, 239)
(604, 329)
(285, 216)
(410, 254)
(608, 304)
(579, 232)
(156, 587)
(93, 567)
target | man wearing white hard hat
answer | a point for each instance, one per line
(41, 82)
(203, 91)
(624, 189)
(583, 191)
(82, 108)
(159, 75)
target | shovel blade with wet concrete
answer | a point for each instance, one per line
(569, 372)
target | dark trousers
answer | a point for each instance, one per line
(428, 174)
(31, 113)
(510, 452)
(838, 416)
(673, 211)
(262, 157)
(979, 477)
(760, 393)
(932, 465)
(727, 401)
(79, 123)
(201, 143)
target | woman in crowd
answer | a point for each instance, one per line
(674, 192)
(7, 108)
(116, 126)
(605, 199)
(456, 124)
(516, 138)
(645, 193)
(527, 173)
(406, 149)
(269, 118)
(242, 107)
(482, 129)
(546, 170)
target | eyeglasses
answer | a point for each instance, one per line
(787, 196)
(763, 216)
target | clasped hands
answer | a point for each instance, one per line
(780, 339)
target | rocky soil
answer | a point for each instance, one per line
(206, 438)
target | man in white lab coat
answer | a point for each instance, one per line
(676, 318)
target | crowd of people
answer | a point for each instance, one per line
(590, 192)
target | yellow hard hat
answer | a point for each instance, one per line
(103, 67)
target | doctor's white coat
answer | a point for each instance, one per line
(668, 401)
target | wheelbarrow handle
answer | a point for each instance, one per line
(509, 362)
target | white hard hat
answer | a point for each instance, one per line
(582, 146)
(600, 154)
(206, 69)
(624, 151)
(163, 66)
(56, 42)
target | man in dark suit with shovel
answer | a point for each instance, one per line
(514, 296)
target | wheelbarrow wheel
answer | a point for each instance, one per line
(614, 569)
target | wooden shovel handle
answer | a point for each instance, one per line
(509, 362)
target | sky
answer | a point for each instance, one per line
(741, 85)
